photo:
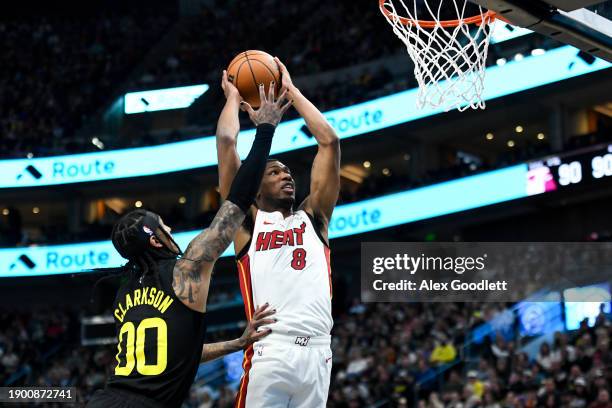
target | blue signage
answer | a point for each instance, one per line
(350, 219)
(431, 201)
(555, 65)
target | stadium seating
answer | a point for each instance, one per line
(384, 355)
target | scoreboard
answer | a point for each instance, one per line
(580, 167)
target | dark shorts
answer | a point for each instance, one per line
(112, 398)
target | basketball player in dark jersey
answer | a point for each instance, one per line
(159, 312)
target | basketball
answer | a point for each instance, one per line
(251, 68)
(185, 186)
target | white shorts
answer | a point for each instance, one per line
(286, 372)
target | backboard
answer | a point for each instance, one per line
(585, 24)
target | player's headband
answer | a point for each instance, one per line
(138, 239)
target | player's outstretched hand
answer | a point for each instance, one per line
(229, 89)
(260, 318)
(270, 111)
(286, 82)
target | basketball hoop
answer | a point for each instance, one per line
(449, 55)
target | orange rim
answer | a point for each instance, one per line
(487, 17)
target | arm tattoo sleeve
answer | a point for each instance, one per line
(205, 248)
(216, 350)
(213, 241)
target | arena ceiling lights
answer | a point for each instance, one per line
(531, 72)
(162, 99)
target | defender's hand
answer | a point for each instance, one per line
(260, 318)
(229, 89)
(270, 111)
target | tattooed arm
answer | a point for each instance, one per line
(215, 350)
(250, 336)
(191, 277)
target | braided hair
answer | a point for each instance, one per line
(130, 237)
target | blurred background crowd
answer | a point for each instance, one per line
(384, 355)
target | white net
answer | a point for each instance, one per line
(449, 62)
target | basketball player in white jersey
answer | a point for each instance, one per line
(283, 259)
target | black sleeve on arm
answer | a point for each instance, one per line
(247, 180)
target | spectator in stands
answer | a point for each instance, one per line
(546, 358)
(603, 400)
(603, 318)
(444, 352)
(547, 395)
(474, 387)
(385, 365)
(578, 396)
(70, 67)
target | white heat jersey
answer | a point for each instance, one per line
(287, 265)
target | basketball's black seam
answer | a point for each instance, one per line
(258, 53)
(241, 57)
(236, 61)
(255, 52)
(238, 73)
(252, 73)
(268, 68)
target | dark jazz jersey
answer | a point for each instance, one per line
(160, 340)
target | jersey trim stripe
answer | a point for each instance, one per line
(245, 286)
(317, 231)
(329, 272)
(244, 381)
(244, 272)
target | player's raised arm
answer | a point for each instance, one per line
(251, 334)
(191, 275)
(325, 173)
(228, 128)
